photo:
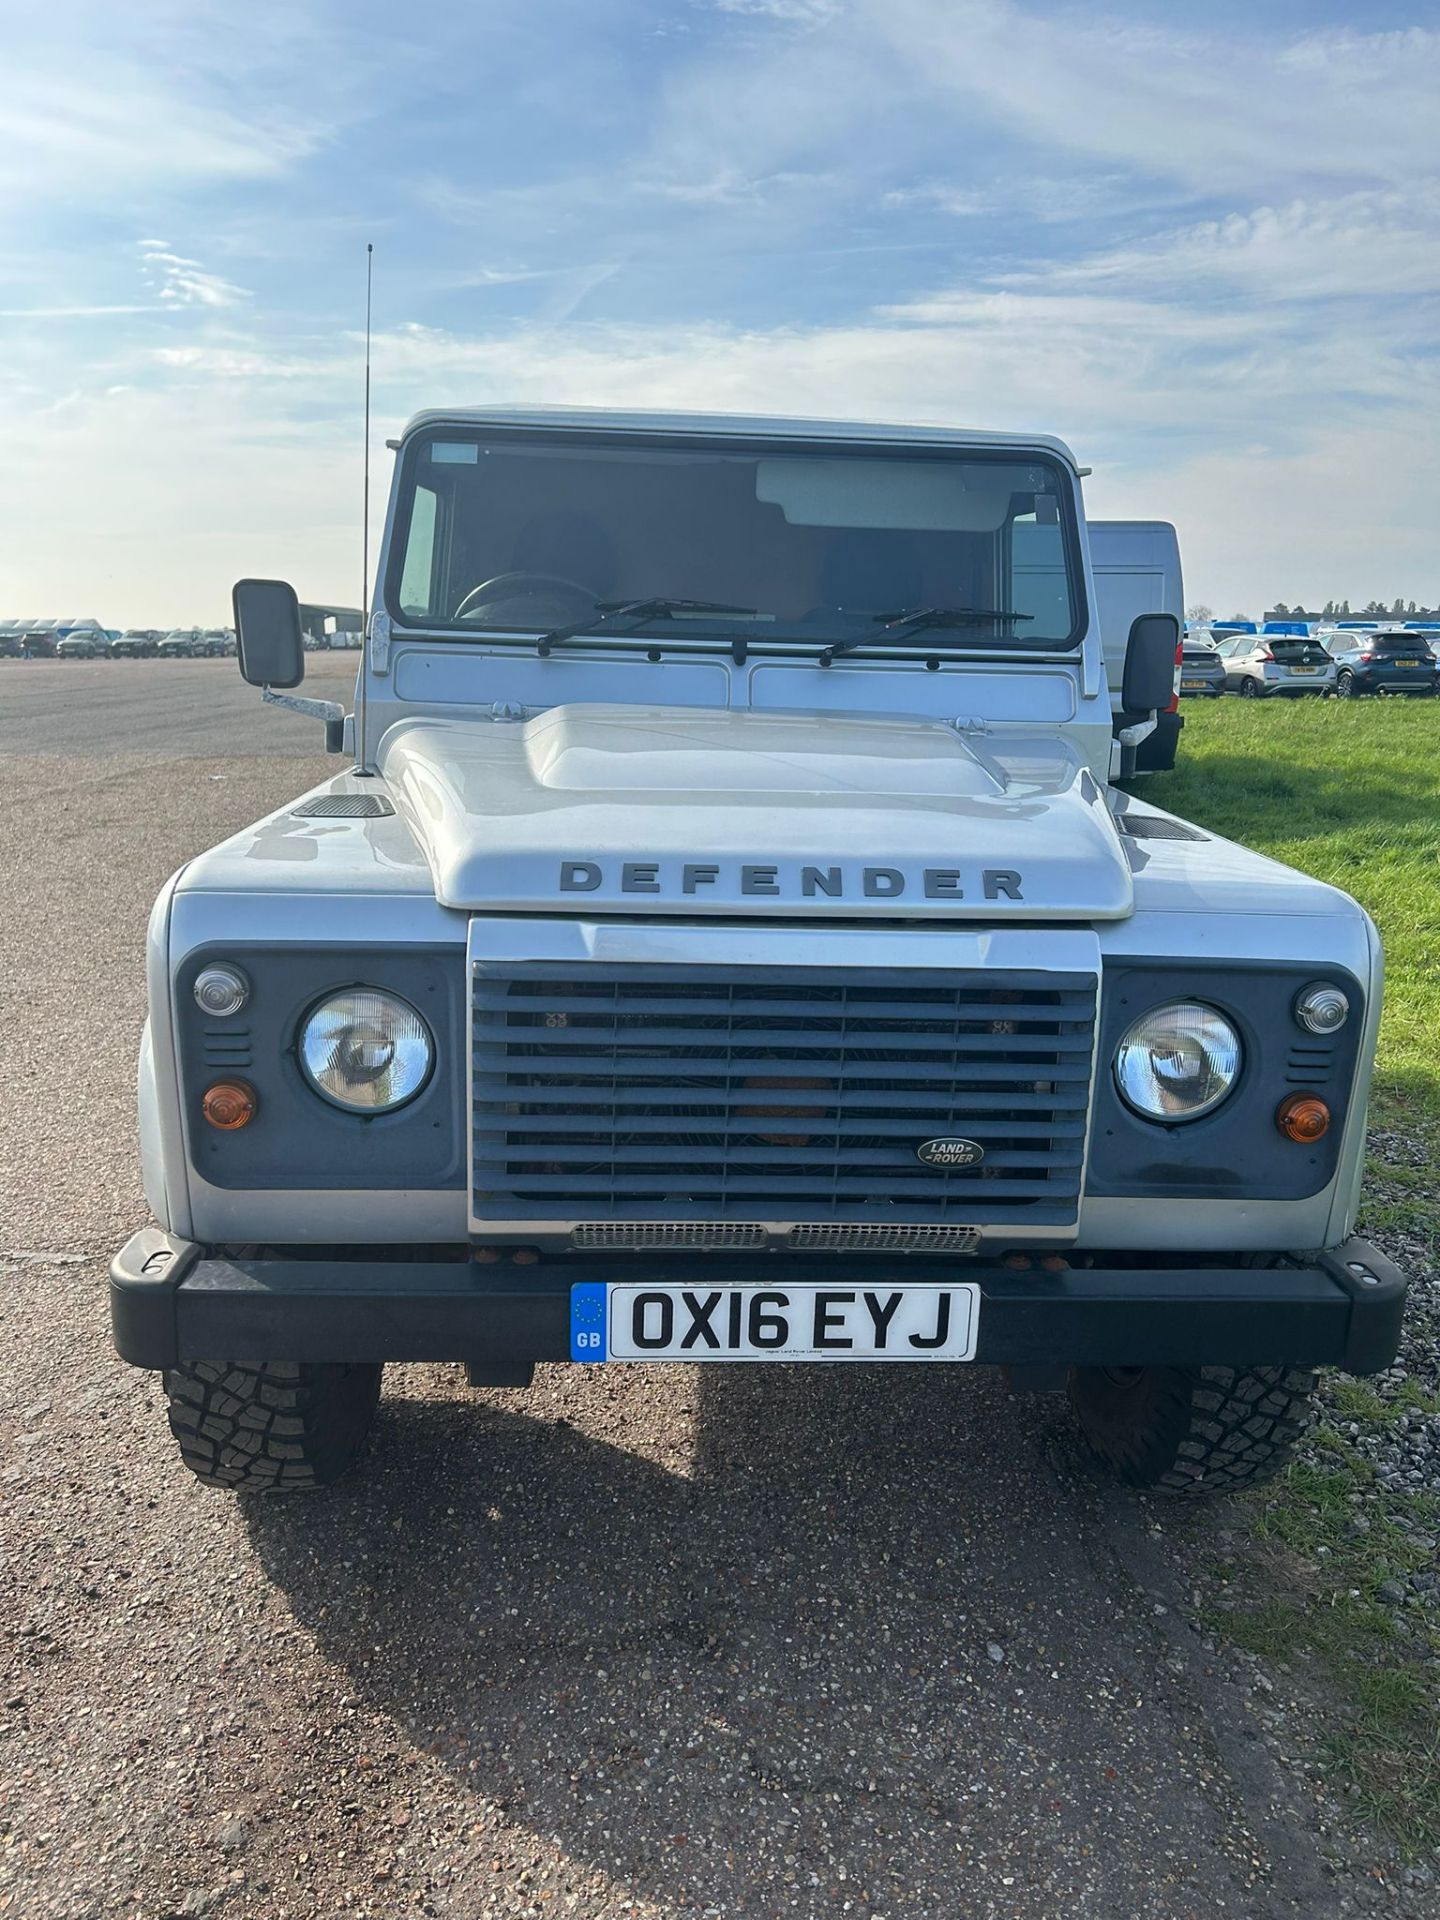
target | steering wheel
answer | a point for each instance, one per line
(522, 586)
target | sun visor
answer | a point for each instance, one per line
(922, 496)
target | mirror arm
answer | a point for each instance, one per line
(1142, 730)
(330, 711)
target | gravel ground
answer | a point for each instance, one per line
(663, 1642)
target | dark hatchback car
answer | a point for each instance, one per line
(1380, 662)
(1202, 671)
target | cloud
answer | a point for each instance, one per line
(792, 12)
(119, 131)
(66, 313)
(185, 283)
(1377, 246)
(1223, 112)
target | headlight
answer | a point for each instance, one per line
(1178, 1062)
(367, 1051)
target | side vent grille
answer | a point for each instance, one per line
(1144, 826)
(1309, 1063)
(226, 1049)
(343, 806)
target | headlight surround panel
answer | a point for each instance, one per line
(302, 1139)
(1234, 1151)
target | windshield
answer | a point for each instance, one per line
(500, 534)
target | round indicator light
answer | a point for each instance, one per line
(221, 990)
(1322, 1008)
(229, 1104)
(1304, 1118)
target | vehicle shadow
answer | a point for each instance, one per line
(862, 1640)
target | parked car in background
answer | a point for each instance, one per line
(85, 643)
(180, 643)
(136, 643)
(41, 640)
(1386, 662)
(1202, 671)
(1258, 665)
(12, 639)
(213, 642)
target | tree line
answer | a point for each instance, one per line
(1398, 609)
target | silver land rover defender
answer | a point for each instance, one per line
(724, 943)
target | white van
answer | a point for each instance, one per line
(1136, 568)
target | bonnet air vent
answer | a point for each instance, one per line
(1141, 826)
(344, 806)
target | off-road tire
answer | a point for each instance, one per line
(1192, 1431)
(271, 1427)
(1250, 690)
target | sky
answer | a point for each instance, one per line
(1200, 244)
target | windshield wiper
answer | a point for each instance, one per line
(638, 612)
(916, 619)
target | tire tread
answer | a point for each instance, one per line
(279, 1426)
(1195, 1431)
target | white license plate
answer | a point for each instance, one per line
(918, 1321)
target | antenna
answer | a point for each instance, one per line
(365, 530)
(362, 702)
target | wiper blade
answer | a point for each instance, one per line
(917, 618)
(638, 612)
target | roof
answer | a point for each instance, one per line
(758, 426)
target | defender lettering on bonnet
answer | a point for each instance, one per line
(806, 883)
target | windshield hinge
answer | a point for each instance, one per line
(509, 710)
(970, 723)
(380, 642)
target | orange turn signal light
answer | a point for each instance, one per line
(1304, 1118)
(229, 1104)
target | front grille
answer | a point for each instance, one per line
(693, 1095)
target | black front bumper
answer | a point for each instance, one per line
(173, 1301)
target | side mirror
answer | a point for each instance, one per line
(1150, 663)
(267, 627)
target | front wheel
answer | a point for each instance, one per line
(271, 1426)
(1249, 690)
(1192, 1430)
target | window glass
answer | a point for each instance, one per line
(528, 535)
(418, 570)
